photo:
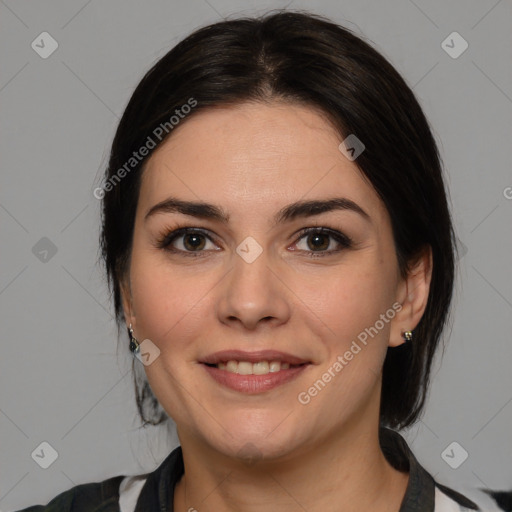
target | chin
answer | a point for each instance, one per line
(252, 451)
(256, 441)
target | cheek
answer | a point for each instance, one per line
(346, 312)
(349, 300)
(166, 303)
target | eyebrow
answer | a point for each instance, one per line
(290, 212)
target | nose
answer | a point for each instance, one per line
(253, 294)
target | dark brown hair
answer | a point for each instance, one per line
(302, 58)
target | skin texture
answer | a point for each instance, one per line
(252, 160)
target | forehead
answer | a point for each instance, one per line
(253, 155)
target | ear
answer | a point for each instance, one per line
(126, 297)
(412, 294)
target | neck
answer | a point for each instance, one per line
(346, 471)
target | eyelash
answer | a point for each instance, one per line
(165, 240)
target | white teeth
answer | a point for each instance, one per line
(248, 368)
(244, 368)
(260, 368)
(275, 366)
(232, 366)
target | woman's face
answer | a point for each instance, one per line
(254, 283)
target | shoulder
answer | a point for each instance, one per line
(149, 491)
(91, 497)
(425, 493)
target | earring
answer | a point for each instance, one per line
(134, 344)
(407, 335)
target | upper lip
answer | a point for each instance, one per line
(252, 357)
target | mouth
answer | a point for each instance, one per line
(253, 372)
(248, 368)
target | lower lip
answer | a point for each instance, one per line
(253, 384)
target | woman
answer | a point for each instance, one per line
(278, 243)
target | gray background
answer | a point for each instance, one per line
(61, 379)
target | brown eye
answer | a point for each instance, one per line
(187, 241)
(318, 241)
(323, 241)
(193, 241)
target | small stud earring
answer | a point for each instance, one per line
(134, 344)
(407, 335)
